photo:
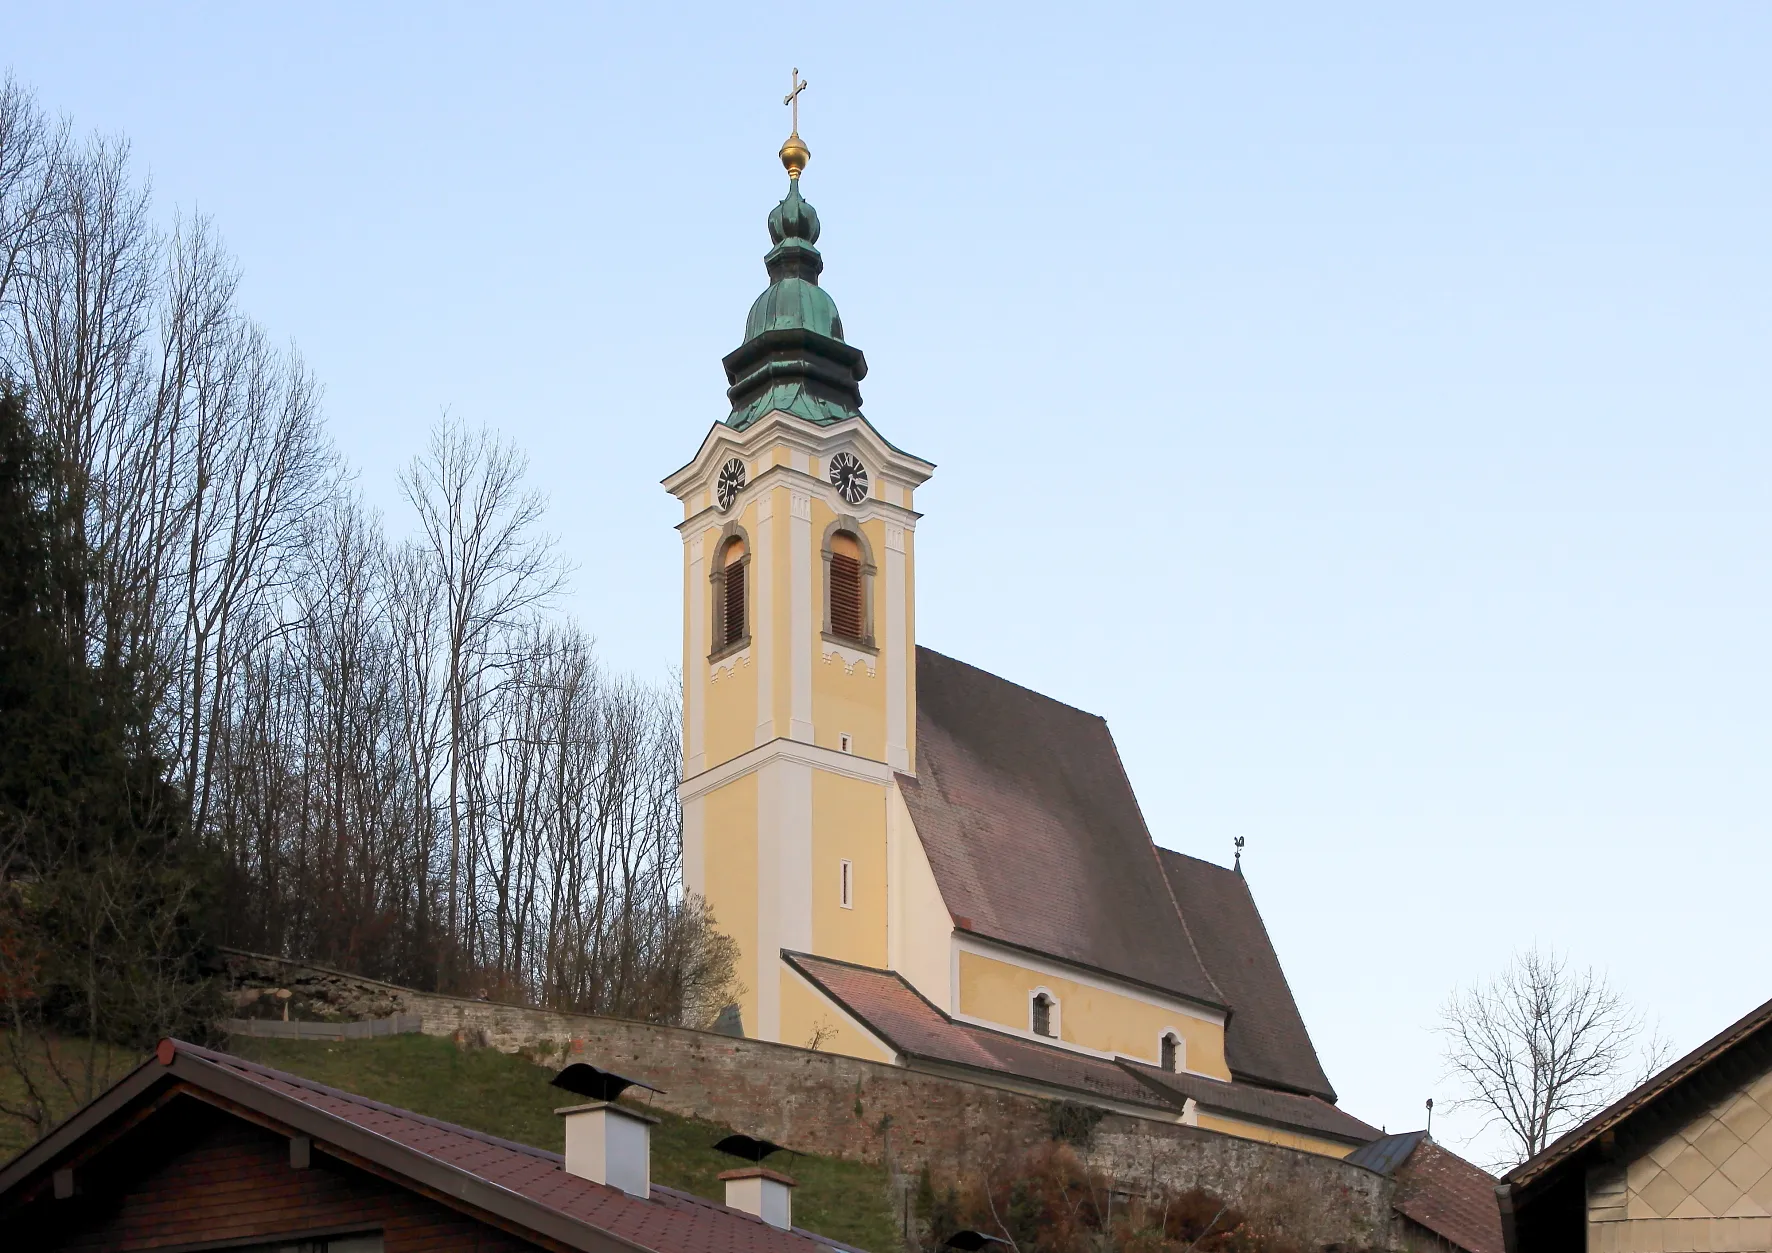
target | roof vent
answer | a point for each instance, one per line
(756, 1189)
(606, 1142)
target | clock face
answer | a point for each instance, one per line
(730, 484)
(849, 477)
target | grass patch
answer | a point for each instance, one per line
(507, 1096)
(83, 1074)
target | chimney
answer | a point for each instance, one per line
(761, 1191)
(607, 1143)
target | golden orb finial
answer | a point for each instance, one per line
(795, 154)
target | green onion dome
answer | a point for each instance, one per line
(794, 357)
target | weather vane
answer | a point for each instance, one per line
(792, 99)
(1237, 861)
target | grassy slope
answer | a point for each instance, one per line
(510, 1097)
(104, 1065)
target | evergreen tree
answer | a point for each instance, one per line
(100, 898)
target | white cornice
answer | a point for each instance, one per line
(808, 437)
(827, 759)
(867, 511)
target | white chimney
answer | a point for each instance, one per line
(760, 1191)
(607, 1143)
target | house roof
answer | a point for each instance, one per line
(1266, 1041)
(1386, 1153)
(1036, 841)
(516, 1183)
(1033, 832)
(907, 1022)
(1294, 1110)
(1437, 1189)
(1754, 1029)
(1451, 1197)
(1541, 1198)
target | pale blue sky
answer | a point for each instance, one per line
(1377, 398)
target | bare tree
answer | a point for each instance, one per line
(493, 566)
(30, 155)
(1542, 1046)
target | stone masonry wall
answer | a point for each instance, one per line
(840, 1106)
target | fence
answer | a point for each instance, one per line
(273, 1028)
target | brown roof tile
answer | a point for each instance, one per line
(1036, 840)
(899, 1014)
(1266, 1041)
(1246, 1100)
(906, 1021)
(1451, 1197)
(1033, 831)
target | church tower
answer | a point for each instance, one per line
(799, 648)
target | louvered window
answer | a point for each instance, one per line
(846, 597)
(734, 607)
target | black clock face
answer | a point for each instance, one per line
(731, 482)
(849, 477)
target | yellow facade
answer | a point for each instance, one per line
(1275, 1135)
(792, 735)
(856, 932)
(793, 741)
(1000, 990)
(730, 861)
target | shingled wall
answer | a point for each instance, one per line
(841, 1106)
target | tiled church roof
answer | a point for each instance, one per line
(1266, 1041)
(1034, 834)
(896, 1013)
(1037, 841)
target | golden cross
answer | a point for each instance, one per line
(793, 97)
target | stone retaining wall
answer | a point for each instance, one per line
(840, 1106)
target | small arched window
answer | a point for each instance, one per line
(733, 558)
(1171, 1052)
(1042, 1016)
(848, 584)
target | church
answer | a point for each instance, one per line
(922, 863)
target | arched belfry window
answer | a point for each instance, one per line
(1173, 1057)
(731, 600)
(1043, 1015)
(848, 584)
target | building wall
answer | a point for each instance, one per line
(1707, 1186)
(766, 855)
(919, 928)
(998, 988)
(845, 1106)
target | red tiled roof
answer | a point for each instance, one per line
(1269, 1105)
(899, 1015)
(668, 1219)
(481, 1169)
(906, 1021)
(1451, 1197)
(1437, 1189)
